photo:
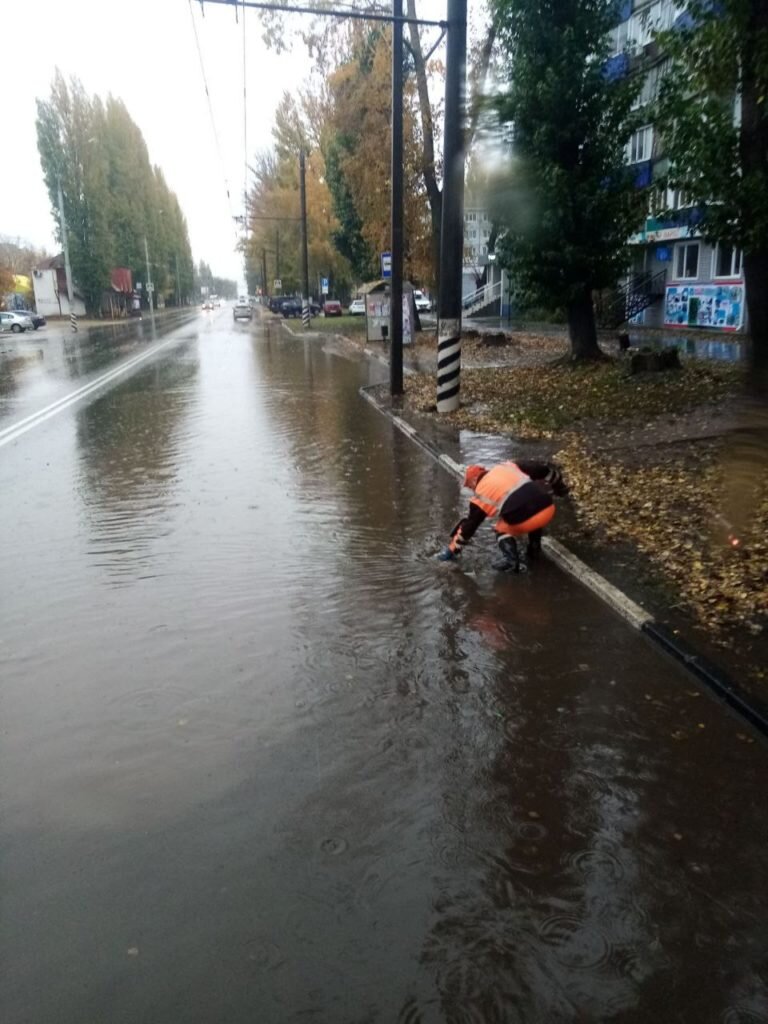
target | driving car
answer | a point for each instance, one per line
(242, 310)
(357, 307)
(207, 305)
(332, 307)
(421, 301)
(15, 321)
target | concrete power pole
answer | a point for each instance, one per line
(149, 283)
(67, 266)
(452, 229)
(396, 281)
(304, 254)
(178, 284)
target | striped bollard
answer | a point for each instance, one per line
(73, 321)
(448, 364)
(305, 314)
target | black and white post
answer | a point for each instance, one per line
(304, 254)
(67, 265)
(452, 228)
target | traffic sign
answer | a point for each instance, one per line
(278, 284)
(386, 264)
(324, 285)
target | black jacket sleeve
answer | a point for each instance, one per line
(465, 530)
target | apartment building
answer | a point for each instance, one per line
(697, 284)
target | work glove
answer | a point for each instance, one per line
(446, 555)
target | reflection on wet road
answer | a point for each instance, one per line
(264, 760)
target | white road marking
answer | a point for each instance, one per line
(18, 429)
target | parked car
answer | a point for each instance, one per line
(16, 322)
(242, 310)
(357, 307)
(315, 309)
(422, 303)
(332, 307)
(291, 307)
(38, 320)
(276, 302)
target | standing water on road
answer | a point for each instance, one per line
(264, 760)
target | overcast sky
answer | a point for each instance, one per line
(145, 53)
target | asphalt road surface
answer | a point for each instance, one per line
(264, 760)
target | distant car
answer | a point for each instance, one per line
(332, 307)
(422, 303)
(357, 307)
(16, 322)
(242, 310)
(207, 305)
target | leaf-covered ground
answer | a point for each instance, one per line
(650, 464)
(541, 401)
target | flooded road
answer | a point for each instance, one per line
(264, 760)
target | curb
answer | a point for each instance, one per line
(661, 635)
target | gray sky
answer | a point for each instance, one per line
(145, 53)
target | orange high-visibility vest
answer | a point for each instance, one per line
(497, 485)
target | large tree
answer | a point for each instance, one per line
(713, 113)
(113, 197)
(566, 202)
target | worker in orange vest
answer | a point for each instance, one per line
(517, 496)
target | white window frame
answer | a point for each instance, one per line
(737, 263)
(640, 145)
(681, 260)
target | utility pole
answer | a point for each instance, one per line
(67, 267)
(149, 283)
(396, 281)
(452, 229)
(277, 252)
(178, 284)
(304, 254)
(264, 286)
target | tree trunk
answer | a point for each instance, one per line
(756, 285)
(434, 195)
(581, 329)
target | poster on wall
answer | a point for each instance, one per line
(718, 306)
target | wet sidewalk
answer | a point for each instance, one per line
(265, 760)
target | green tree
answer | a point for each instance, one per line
(713, 113)
(568, 205)
(113, 197)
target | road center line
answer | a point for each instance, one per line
(17, 430)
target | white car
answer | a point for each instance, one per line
(357, 307)
(423, 304)
(16, 322)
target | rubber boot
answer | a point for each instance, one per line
(510, 556)
(534, 544)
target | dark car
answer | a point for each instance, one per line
(291, 307)
(332, 307)
(275, 303)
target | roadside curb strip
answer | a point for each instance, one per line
(662, 636)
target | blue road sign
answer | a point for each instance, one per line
(386, 264)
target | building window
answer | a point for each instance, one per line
(470, 216)
(687, 261)
(729, 261)
(640, 145)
